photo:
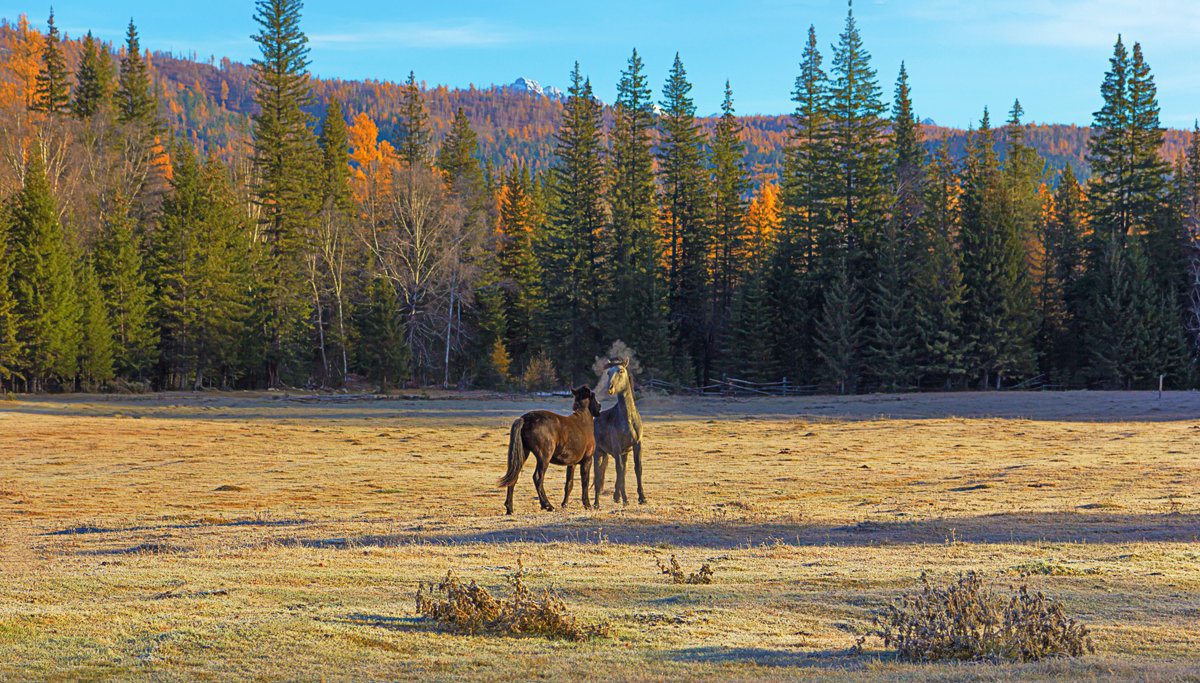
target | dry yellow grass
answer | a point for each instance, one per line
(233, 536)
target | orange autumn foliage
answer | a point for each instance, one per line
(18, 77)
(373, 161)
(763, 220)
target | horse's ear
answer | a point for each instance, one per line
(625, 363)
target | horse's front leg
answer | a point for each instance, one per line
(539, 475)
(600, 462)
(585, 470)
(570, 483)
(637, 470)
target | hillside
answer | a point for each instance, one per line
(210, 103)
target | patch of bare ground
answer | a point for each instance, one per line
(272, 535)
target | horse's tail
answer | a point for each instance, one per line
(516, 455)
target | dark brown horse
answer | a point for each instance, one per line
(552, 438)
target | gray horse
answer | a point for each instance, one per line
(618, 430)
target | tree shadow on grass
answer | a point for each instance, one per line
(384, 621)
(1055, 527)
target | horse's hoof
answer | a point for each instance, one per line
(642, 500)
(508, 512)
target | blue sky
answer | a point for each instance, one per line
(960, 55)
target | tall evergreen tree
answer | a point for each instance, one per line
(127, 295)
(331, 251)
(96, 335)
(893, 340)
(10, 348)
(384, 353)
(938, 279)
(458, 156)
(686, 213)
(134, 99)
(43, 284)
(637, 312)
(414, 124)
(520, 272)
(94, 81)
(839, 331)
(285, 154)
(797, 274)
(730, 183)
(858, 201)
(53, 91)
(574, 255)
(1064, 309)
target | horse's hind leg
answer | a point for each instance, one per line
(619, 488)
(570, 483)
(539, 475)
(600, 462)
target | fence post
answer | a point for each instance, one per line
(785, 393)
(1160, 385)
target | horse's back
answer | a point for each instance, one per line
(556, 434)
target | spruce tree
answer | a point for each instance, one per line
(333, 236)
(53, 91)
(94, 81)
(748, 349)
(127, 294)
(730, 183)
(384, 353)
(457, 156)
(285, 161)
(797, 271)
(636, 312)
(43, 284)
(10, 348)
(937, 280)
(839, 331)
(858, 200)
(414, 125)
(134, 99)
(686, 213)
(96, 334)
(520, 272)
(574, 255)
(892, 339)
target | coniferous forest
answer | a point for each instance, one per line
(289, 231)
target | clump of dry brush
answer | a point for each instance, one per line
(677, 574)
(472, 609)
(965, 620)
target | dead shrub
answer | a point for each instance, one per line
(673, 570)
(472, 609)
(539, 375)
(964, 620)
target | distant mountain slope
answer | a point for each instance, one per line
(211, 104)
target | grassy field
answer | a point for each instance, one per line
(265, 536)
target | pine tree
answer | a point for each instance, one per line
(839, 331)
(797, 271)
(134, 98)
(521, 275)
(96, 335)
(1064, 310)
(892, 340)
(414, 125)
(43, 284)
(384, 353)
(574, 255)
(53, 92)
(94, 82)
(127, 295)
(938, 281)
(858, 200)
(457, 156)
(285, 161)
(730, 183)
(637, 309)
(686, 214)
(333, 235)
(748, 349)
(10, 348)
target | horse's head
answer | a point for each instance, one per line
(618, 376)
(585, 400)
